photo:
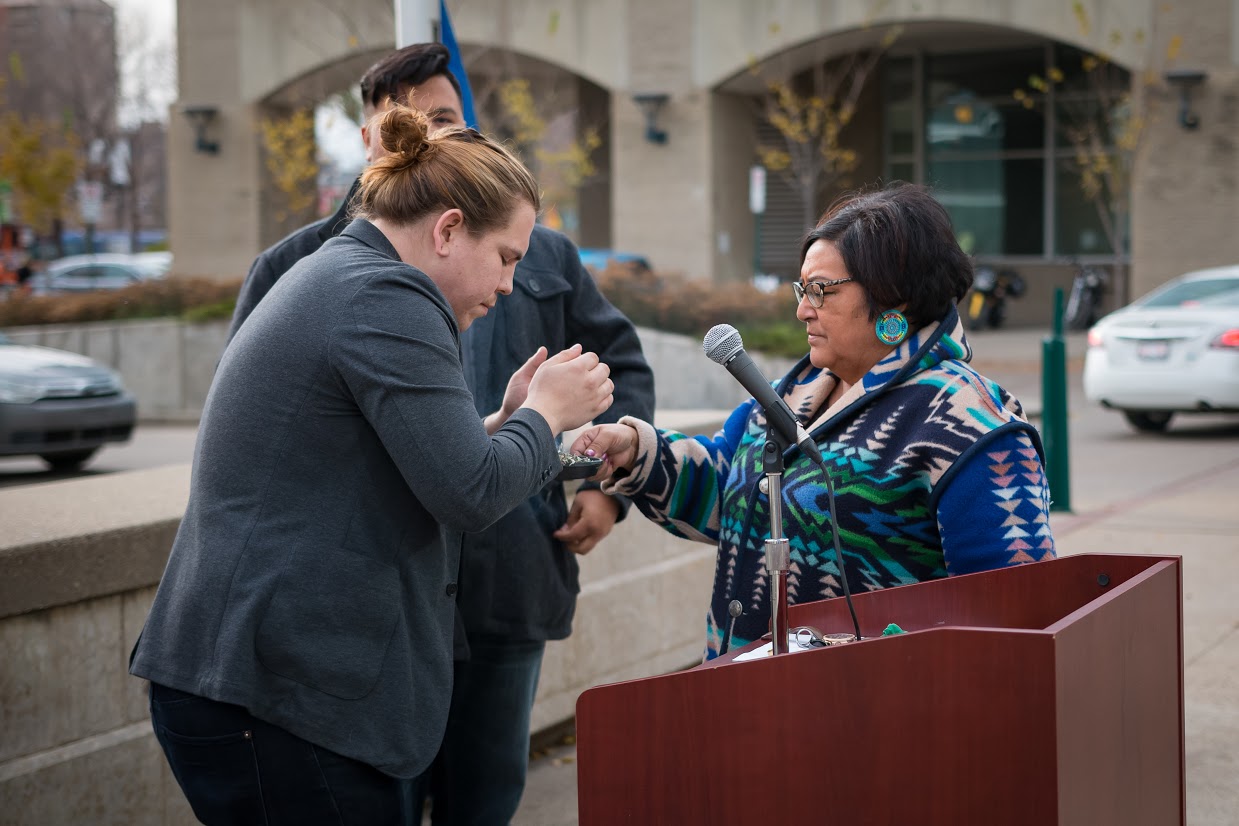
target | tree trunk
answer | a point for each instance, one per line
(808, 205)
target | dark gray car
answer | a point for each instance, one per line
(59, 406)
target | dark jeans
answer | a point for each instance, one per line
(479, 775)
(237, 770)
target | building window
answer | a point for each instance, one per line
(1004, 171)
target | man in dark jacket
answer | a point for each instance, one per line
(518, 580)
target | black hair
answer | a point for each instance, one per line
(899, 245)
(392, 76)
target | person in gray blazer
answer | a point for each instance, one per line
(299, 646)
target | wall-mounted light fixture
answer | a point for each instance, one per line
(202, 117)
(1185, 80)
(652, 105)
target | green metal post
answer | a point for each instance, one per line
(1054, 411)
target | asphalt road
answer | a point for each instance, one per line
(151, 446)
(1112, 463)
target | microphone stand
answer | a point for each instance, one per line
(778, 553)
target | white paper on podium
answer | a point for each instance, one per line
(767, 650)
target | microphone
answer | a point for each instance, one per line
(724, 346)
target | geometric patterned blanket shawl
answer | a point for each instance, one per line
(920, 424)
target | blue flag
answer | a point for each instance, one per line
(457, 66)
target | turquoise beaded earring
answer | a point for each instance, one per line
(892, 327)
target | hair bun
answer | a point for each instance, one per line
(405, 133)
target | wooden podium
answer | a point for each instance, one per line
(1049, 693)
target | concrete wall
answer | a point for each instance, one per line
(1185, 194)
(76, 583)
(168, 364)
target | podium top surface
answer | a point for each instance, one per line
(1044, 597)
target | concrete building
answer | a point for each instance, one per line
(60, 66)
(60, 62)
(679, 84)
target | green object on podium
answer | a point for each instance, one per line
(1054, 411)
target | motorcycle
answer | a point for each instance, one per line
(987, 306)
(1084, 301)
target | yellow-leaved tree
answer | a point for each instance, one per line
(292, 161)
(1103, 114)
(39, 160)
(561, 165)
(544, 112)
(810, 112)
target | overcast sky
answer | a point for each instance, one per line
(160, 13)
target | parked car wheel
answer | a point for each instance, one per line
(69, 461)
(1148, 421)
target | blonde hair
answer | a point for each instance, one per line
(455, 168)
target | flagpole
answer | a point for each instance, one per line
(456, 65)
(414, 22)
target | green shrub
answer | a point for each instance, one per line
(777, 338)
(218, 311)
(767, 321)
(160, 298)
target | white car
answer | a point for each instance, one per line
(101, 271)
(1176, 350)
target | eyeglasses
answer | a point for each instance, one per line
(815, 291)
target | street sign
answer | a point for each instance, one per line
(90, 201)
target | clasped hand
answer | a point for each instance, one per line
(615, 444)
(567, 389)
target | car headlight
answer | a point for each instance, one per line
(113, 384)
(15, 392)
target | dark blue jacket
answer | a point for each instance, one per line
(276, 260)
(517, 582)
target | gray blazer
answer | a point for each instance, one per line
(313, 577)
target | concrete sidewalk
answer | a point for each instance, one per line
(1191, 514)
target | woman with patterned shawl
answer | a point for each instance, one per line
(936, 469)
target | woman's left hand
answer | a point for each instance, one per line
(616, 444)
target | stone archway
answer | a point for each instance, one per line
(517, 94)
(246, 61)
(754, 33)
(785, 222)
